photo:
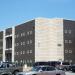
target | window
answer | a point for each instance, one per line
(17, 36)
(16, 61)
(66, 51)
(70, 61)
(17, 53)
(27, 61)
(44, 68)
(66, 60)
(30, 61)
(23, 43)
(27, 51)
(70, 41)
(28, 42)
(70, 51)
(59, 45)
(69, 31)
(30, 51)
(65, 31)
(21, 52)
(66, 41)
(21, 61)
(17, 44)
(30, 32)
(23, 34)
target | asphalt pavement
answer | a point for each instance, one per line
(70, 73)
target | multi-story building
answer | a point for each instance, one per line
(39, 40)
(1, 45)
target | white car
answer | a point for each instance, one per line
(43, 70)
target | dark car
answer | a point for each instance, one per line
(43, 68)
(45, 63)
(64, 66)
(73, 68)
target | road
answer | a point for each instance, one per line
(70, 73)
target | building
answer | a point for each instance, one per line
(40, 39)
(1, 45)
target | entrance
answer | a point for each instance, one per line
(8, 57)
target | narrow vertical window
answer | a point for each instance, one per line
(65, 31)
(66, 41)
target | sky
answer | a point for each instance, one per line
(15, 12)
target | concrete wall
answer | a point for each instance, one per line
(49, 39)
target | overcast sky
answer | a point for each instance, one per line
(14, 12)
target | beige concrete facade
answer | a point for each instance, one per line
(49, 39)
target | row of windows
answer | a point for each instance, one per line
(68, 51)
(68, 31)
(23, 34)
(68, 41)
(24, 61)
(23, 52)
(68, 61)
(24, 43)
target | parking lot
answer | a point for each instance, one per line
(70, 73)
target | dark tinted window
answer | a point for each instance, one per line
(40, 63)
(50, 68)
(65, 63)
(44, 68)
(35, 68)
(50, 63)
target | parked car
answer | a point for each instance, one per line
(43, 70)
(72, 68)
(60, 65)
(64, 66)
(46, 63)
(8, 68)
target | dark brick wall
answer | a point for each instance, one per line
(69, 36)
(23, 34)
(1, 45)
(8, 31)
